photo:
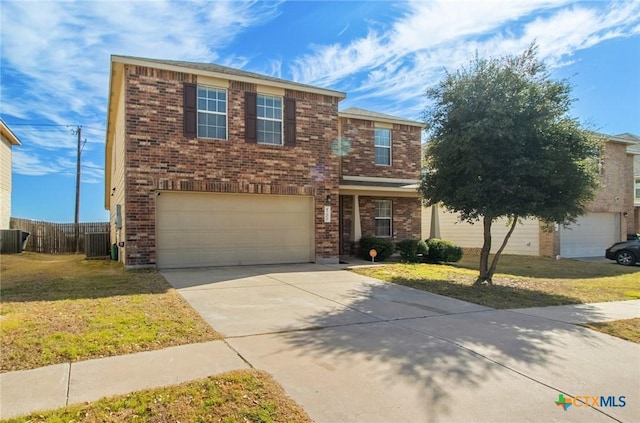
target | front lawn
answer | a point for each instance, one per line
(628, 329)
(520, 281)
(61, 308)
(239, 396)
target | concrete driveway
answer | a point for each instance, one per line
(353, 349)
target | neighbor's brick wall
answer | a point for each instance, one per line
(158, 157)
(360, 159)
(615, 194)
(406, 217)
(549, 241)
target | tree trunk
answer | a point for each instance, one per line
(486, 271)
(484, 276)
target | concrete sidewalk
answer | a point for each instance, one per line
(51, 387)
(379, 351)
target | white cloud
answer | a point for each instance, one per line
(401, 62)
(57, 56)
(25, 163)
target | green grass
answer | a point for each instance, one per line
(239, 396)
(65, 308)
(520, 281)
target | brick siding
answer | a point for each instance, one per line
(359, 160)
(159, 157)
(406, 216)
(615, 194)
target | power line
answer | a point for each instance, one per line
(38, 124)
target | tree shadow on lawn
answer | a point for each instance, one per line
(549, 268)
(495, 296)
(446, 350)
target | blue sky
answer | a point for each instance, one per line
(383, 54)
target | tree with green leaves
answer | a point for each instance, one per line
(502, 144)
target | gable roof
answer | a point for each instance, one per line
(8, 134)
(225, 72)
(357, 113)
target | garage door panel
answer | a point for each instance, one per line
(229, 229)
(590, 235)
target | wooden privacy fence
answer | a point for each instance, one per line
(56, 238)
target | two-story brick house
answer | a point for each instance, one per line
(208, 165)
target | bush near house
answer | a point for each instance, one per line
(383, 246)
(412, 250)
(444, 251)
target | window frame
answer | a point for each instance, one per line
(380, 218)
(376, 146)
(636, 190)
(259, 118)
(211, 112)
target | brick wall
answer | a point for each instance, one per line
(360, 158)
(615, 194)
(549, 240)
(346, 215)
(159, 157)
(406, 215)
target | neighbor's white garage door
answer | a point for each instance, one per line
(198, 230)
(590, 235)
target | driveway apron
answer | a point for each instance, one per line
(350, 348)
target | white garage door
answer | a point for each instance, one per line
(590, 235)
(198, 230)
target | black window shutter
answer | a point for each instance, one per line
(250, 117)
(190, 105)
(289, 121)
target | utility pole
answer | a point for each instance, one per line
(77, 216)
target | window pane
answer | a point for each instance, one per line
(383, 137)
(269, 120)
(383, 155)
(383, 227)
(383, 208)
(212, 113)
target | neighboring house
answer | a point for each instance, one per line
(609, 218)
(9, 139)
(635, 150)
(208, 165)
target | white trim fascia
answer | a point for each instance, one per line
(258, 81)
(410, 191)
(398, 121)
(376, 179)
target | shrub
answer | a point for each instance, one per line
(408, 250)
(443, 251)
(383, 246)
(422, 248)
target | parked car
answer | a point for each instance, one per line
(626, 253)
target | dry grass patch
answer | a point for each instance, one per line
(628, 329)
(64, 308)
(239, 396)
(520, 281)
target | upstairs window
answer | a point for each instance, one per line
(383, 218)
(382, 144)
(637, 190)
(269, 120)
(212, 113)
